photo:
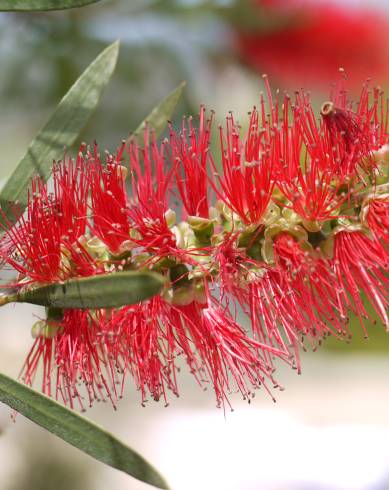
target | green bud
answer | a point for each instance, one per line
(37, 329)
(95, 247)
(312, 226)
(46, 329)
(202, 228)
(291, 216)
(272, 214)
(182, 232)
(181, 296)
(281, 226)
(170, 217)
(199, 292)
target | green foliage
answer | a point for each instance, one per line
(61, 130)
(77, 431)
(31, 5)
(102, 291)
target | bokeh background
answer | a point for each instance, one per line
(330, 428)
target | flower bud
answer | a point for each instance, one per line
(45, 329)
(199, 292)
(95, 247)
(170, 217)
(202, 228)
(182, 296)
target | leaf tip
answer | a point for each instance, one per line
(114, 48)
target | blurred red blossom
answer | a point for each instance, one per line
(314, 39)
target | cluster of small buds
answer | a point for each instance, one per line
(290, 228)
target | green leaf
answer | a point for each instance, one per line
(77, 431)
(102, 291)
(61, 130)
(30, 5)
(159, 116)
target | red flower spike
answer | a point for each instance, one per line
(190, 149)
(78, 352)
(274, 314)
(348, 136)
(228, 353)
(37, 239)
(295, 297)
(52, 225)
(246, 182)
(378, 218)
(252, 290)
(150, 338)
(306, 171)
(71, 187)
(259, 259)
(314, 163)
(361, 264)
(311, 278)
(354, 133)
(232, 264)
(151, 188)
(147, 347)
(109, 201)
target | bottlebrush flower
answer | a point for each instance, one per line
(320, 165)
(41, 245)
(151, 185)
(73, 347)
(190, 149)
(293, 236)
(216, 349)
(310, 40)
(361, 265)
(376, 213)
(246, 182)
(109, 200)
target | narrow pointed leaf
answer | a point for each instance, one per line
(160, 115)
(61, 130)
(77, 431)
(101, 291)
(30, 5)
